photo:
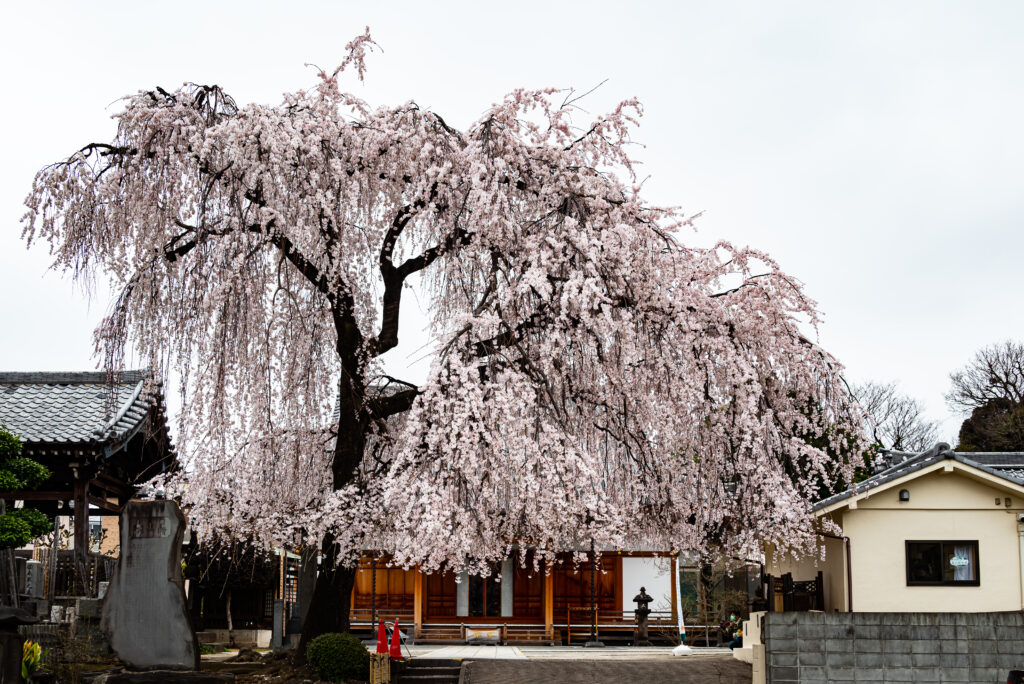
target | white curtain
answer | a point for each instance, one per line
(963, 573)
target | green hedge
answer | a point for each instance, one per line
(337, 657)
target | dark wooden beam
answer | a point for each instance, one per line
(104, 504)
(81, 523)
(26, 495)
(113, 485)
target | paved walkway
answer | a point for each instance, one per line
(720, 669)
(463, 652)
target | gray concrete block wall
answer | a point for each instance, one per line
(815, 648)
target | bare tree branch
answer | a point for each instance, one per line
(899, 420)
(995, 372)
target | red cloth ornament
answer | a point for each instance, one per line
(396, 645)
(382, 638)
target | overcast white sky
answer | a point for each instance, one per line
(875, 149)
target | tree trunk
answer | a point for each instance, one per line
(706, 577)
(332, 593)
(10, 583)
(231, 626)
(332, 598)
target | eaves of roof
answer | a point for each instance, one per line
(916, 465)
(76, 410)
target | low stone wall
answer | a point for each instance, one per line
(892, 647)
(244, 638)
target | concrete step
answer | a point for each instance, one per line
(429, 676)
(431, 671)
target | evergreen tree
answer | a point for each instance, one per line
(22, 525)
(997, 425)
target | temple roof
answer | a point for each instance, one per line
(75, 408)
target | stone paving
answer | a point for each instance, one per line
(575, 665)
(464, 652)
(718, 668)
(613, 664)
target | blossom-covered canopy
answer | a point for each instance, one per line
(593, 376)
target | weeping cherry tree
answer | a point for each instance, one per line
(592, 377)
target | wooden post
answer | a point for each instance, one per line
(281, 592)
(417, 603)
(549, 602)
(594, 641)
(373, 590)
(51, 561)
(81, 494)
(593, 592)
(674, 574)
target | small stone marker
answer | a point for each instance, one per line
(276, 633)
(34, 579)
(144, 613)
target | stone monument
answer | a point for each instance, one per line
(642, 611)
(144, 613)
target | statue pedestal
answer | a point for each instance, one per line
(641, 632)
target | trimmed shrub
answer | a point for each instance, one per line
(20, 526)
(14, 532)
(337, 657)
(37, 521)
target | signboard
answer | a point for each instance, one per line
(483, 635)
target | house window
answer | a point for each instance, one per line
(931, 563)
(95, 532)
(268, 603)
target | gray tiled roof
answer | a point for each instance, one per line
(74, 408)
(1009, 462)
(377, 389)
(1007, 465)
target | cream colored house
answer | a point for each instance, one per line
(932, 532)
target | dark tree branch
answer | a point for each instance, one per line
(510, 337)
(394, 279)
(386, 406)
